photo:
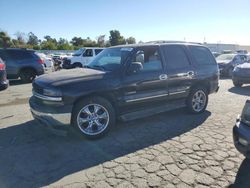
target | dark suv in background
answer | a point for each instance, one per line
(126, 82)
(22, 63)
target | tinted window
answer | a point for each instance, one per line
(149, 58)
(88, 53)
(176, 57)
(202, 55)
(243, 58)
(18, 54)
(97, 51)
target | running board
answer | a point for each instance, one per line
(171, 105)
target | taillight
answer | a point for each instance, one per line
(2, 66)
(41, 61)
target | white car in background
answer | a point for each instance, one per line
(81, 57)
(48, 61)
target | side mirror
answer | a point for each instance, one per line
(135, 67)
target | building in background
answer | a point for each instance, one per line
(219, 47)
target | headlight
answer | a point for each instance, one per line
(236, 69)
(245, 116)
(52, 92)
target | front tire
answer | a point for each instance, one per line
(197, 100)
(237, 84)
(93, 117)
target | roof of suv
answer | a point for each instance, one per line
(21, 49)
(159, 43)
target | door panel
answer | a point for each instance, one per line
(179, 70)
(150, 83)
(144, 87)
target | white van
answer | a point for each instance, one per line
(81, 57)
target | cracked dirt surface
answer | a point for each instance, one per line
(173, 149)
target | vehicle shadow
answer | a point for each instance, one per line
(15, 82)
(243, 176)
(244, 90)
(33, 157)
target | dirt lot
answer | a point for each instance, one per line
(173, 149)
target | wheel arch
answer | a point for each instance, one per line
(108, 96)
(202, 83)
(26, 68)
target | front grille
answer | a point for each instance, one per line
(38, 89)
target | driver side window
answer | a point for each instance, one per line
(149, 58)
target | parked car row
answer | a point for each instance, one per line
(22, 63)
(81, 57)
(3, 76)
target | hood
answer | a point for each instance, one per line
(223, 61)
(244, 66)
(69, 76)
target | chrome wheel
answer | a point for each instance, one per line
(199, 101)
(93, 119)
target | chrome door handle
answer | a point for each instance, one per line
(163, 77)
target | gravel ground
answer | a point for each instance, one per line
(173, 149)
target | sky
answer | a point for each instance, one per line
(214, 21)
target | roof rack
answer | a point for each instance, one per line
(171, 41)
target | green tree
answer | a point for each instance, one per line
(5, 40)
(32, 39)
(63, 44)
(131, 40)
(48, 45)
(115, 38)
(77, 41)
(21, 39)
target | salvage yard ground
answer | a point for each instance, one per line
(173, 149)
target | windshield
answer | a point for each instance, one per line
(225, 57)
(110, 59)
(78, 52)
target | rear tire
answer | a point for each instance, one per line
(77, 65)
(230, 72)
(197, 100)
(93, 117)
(237, 84)
(27, 75)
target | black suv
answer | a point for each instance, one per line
(22, 63)
(126, 82)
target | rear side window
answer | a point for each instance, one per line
(176, 57)
(88, 53)
(19, 55)
(97, 51)
(202, 55)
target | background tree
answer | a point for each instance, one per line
(77, 41)
(32, 39)
(131, 40)
(5, 40)
(63, 44)
(101, 40)
(115, 38)
(21, 39)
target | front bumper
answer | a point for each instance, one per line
(241, 137)
(4, 84)
(241, 79)
(53, 116)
